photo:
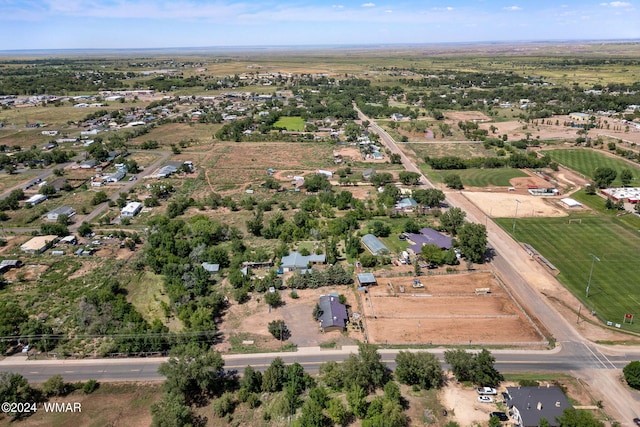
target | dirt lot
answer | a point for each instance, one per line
(503, 204)
(446, 311)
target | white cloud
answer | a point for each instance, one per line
(512, 8)
(388, 11)
(448, 8)
(616, 4)
(368, 5)
(337, 6)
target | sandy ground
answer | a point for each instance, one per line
(446, 311)
(503, 205)
(353, 153)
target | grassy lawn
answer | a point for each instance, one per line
(487, 177)
(145, 292)
(291, 123)
(586, 161)
(612, 239)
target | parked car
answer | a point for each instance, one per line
(485, 399)
(486, 390)
(502, 416)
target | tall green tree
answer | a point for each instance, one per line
(452, 220)
(461, 362)
(631, 374)
(421, 368)
(604, 176)
(193, 372)
(274, 377)
(171, 411)
(365, 369)
(472, 239)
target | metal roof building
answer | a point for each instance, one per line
(374, 245)
(334, 315)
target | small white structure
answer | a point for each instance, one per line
(62, 210)
(328, 174)
(132, 209)
(572, 203)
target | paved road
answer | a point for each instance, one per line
(310, 357)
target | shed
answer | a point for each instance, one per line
(366, 279)
(572, 203)
(211, 268)
(530, 404)
(8, 264)
(374, 245)
(35, 199)
(333, 315)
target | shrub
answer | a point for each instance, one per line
(90, 386)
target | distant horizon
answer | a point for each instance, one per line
(312, 47)
(157, 24)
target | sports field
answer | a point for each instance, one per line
(487, 177)
(586, 161)
(614, 287)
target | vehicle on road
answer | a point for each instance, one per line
(485, 399)
(487, 390)
(636, 421)
(502, 416)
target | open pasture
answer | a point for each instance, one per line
(488, 177)
(446, 311)
(568, 246)
(234, 165)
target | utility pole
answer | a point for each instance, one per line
(593, 261)
(516, 216)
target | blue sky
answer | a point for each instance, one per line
(76, 24)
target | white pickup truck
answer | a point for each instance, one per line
(486, 390)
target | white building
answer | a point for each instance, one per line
(132, 209)
(36, 199)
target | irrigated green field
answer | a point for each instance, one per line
(586, 161)
(295, 124)
(615, 241)
(488, 177)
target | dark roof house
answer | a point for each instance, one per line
(530, 404)
(334, 315)
(427, 236)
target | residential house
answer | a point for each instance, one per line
(406, 205)
(62, 210)
(530, 404)
(298, 262)
(35, 199)
(333, 314)
(427, 236)
(38, 244)
(114, 177)
(132, 209)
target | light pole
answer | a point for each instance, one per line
(516, 216)
(593, 261)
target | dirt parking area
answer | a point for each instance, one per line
(450, 309)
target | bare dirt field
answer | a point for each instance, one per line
(503, 204)
(353, 153)
(235, 165)
(457, 116)
(446, 311)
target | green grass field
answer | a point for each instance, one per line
(614, 289)
(295, 124)
(487, 177)
(586, 161)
